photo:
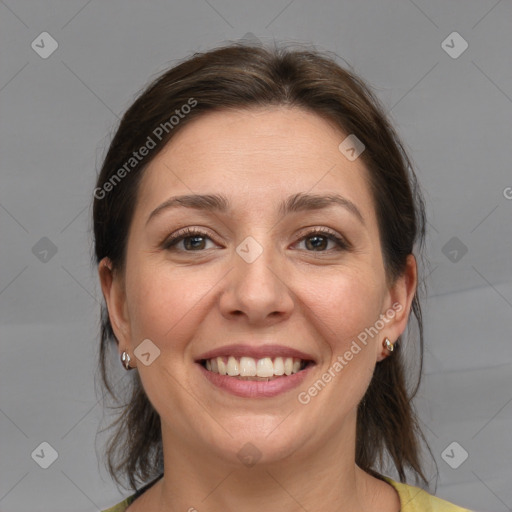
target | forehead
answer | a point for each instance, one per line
(256, 154)
(238, 134)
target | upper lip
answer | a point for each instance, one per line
(259, 352)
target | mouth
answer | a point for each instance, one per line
(253, 372)
(248, 368)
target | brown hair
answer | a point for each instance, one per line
(239, 76)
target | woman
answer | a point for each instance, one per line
(254, 225)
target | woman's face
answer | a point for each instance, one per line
(257, 285)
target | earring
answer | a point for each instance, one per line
(387, 344)
(125, 360)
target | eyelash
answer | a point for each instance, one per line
(171, 242)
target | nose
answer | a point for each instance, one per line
(258, 290)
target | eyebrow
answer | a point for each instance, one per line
(295, 203)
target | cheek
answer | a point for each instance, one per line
(348, 306)
(343, 306)
(162, 303)
(346, 303)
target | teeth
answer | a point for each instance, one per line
(232, 368)
(250, 367)
(278, 366)
(265, 367)
(247, 367)
(288, 366)
(221, 365)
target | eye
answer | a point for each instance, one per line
(318, 239)
(194, 240)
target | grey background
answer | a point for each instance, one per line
(57, 114)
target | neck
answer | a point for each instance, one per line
(325, 478)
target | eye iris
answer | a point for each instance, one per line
(317, 238)
(194, 246)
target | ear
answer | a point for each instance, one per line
(399, 300)
(112, 286)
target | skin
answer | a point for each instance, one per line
(317, 301)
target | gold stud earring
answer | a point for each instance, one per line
(388, 345)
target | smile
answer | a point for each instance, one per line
(252, 369)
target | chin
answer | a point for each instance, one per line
(257, 443)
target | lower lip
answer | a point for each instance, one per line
(254, 388)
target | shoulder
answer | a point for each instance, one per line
(414, 499)
(121, 507)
